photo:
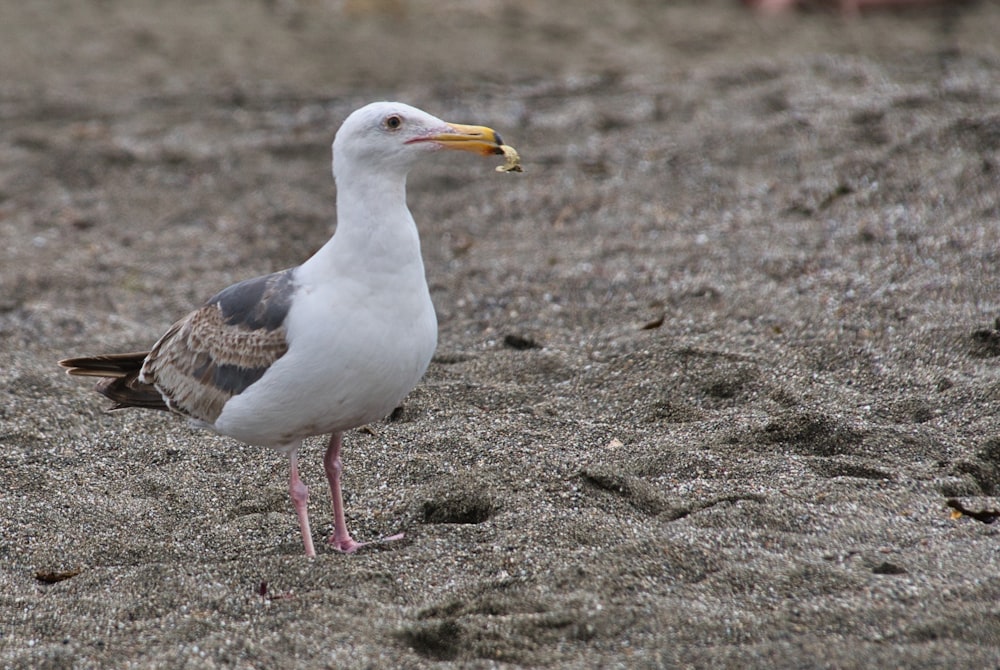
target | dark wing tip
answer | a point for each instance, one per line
(127, 391)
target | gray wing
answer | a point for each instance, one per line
(219, 350)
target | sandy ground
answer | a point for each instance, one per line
(708, 372)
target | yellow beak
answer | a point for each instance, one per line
(478, 139)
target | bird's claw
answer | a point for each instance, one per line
(348, 545)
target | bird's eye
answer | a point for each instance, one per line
(393, 121)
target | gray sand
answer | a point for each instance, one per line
(708, 371)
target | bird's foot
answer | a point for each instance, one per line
(348, 545)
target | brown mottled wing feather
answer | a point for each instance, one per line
(221, 349)
(204, 359)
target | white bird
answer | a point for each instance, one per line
(327, 346)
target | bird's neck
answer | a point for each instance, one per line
(375, 230)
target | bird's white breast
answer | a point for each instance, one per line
(356, 348)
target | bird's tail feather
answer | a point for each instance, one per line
(107, 365)
(119, 379)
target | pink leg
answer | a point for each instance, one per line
(300, 498)
(341, 539)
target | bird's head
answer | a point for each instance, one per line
(392, 137)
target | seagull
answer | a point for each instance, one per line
(330, 345)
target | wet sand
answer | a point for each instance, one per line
(708, 372)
